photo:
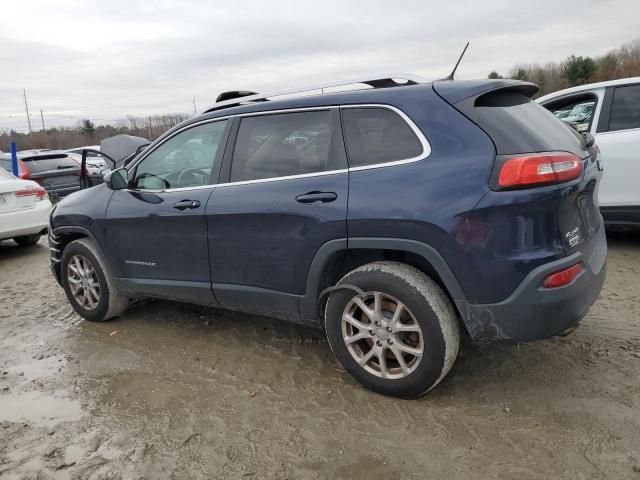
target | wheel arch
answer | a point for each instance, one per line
(337, 257)
(60, 237)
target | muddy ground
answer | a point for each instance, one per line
(176, 391)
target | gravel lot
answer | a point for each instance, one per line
(176, 391)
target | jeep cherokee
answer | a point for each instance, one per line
(392, 216)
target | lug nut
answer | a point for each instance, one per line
(371, 332)
(389, 329)
(377, 323)
(379, 343)
(390, 342)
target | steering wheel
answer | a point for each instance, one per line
(195, 173)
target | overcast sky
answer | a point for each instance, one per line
(104, 60)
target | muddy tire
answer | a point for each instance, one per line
(401, 337)
(90, 287)
(27, 240)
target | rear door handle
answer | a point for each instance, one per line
(317, 197)
(187, 204)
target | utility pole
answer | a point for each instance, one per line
(42, 118)
(149, 129)
(26, 106)
(194, 106)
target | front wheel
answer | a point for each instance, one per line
(90, 287)
(401, 337)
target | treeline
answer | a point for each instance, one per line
(87, 133)
(622, 62)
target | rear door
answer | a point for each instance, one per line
(282, 195)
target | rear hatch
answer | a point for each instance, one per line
(57, 172)
(519, 127)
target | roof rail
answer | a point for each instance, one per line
(375, 81)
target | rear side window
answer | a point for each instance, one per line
(378, 135)
(517, 124)
(280, 145)
(625, 108)
(44, 163)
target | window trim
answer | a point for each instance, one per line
(426, 146)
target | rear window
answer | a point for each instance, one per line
(378, 135)
(4, 174)
(5, 163)
(517, 124)
(44, 163)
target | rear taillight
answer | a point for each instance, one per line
(539, 169)
(563, 277)
(39, 192)
(24, 171)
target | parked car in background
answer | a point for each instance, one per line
(611, 112)
(56, 171)
(24, 209)
(96, 164)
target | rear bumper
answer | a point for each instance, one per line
(25, 222)
(532, 312)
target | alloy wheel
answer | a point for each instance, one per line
(83, 282)
(382, 335)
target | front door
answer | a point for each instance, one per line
(156, 229)
(283, 194)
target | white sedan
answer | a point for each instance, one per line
(24, 209)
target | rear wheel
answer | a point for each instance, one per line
(399, 338)
(90, 287)
(27, 240)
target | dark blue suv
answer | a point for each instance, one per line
(392, 216)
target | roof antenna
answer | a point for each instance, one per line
(450, 77)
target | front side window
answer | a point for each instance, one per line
(625, 108)
(280, 145)
(577, 112)
(185, 160)
(378, 135)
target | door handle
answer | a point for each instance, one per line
(186, 204)
(317, 197)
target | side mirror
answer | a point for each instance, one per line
(117, 179)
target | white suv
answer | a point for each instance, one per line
(611, 112)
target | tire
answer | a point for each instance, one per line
(27, 240)
(426, 323)
(110, 302)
